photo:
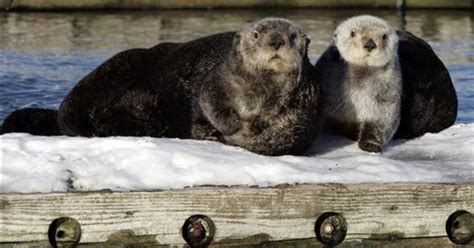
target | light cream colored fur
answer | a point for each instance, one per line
(366, 27)
(366, 88)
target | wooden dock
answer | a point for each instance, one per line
(308, 215)
(212, 4)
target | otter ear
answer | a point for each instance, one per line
(236, 39)
(334, 36)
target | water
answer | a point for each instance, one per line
(44, 54)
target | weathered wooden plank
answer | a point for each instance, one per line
(256, 242)
(209, 4)
(372, 211)
(300, 243)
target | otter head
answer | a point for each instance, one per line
(366, 40)
(273, 44)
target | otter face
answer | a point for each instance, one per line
(366, 41)
(272, 44)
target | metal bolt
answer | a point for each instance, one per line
(64, 232)
(198, 231)
(330, 228)
(460, 227)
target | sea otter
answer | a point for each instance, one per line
(362, 83)
(254, 88)
(428, 100)
(259, 97)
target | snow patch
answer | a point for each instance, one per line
(46, 164)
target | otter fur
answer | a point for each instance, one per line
(257, 93)
(260, 96)
(428, 104)
(429, 100)
(35, 121)
(362, 82)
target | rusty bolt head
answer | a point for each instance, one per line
(64, 232)
(330, 228)
(198, 231)
(460, 227)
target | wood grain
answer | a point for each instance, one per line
(372, 211)
(210, 4)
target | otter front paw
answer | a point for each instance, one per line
(215, 136)
(230, 128)
(370, 138)
(257, 126)
(370, 146)
(229, 123)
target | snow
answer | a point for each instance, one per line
(48, 164)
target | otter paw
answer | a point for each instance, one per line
(370, 146)
(215, 136)
(257, 126)
(231, 127)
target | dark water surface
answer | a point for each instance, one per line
(44, 54)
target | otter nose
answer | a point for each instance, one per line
(276, 41)
(370, 45)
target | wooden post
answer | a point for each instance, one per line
(400, 5)
(401, 14)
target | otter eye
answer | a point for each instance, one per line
(353, 33)
(255, 34)
(293, 36)
(384, 37)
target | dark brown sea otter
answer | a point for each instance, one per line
(254, 88)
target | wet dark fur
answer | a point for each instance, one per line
(139, 92)
(429, 102)
(32, 120)
(153, 92)
(143, 92)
